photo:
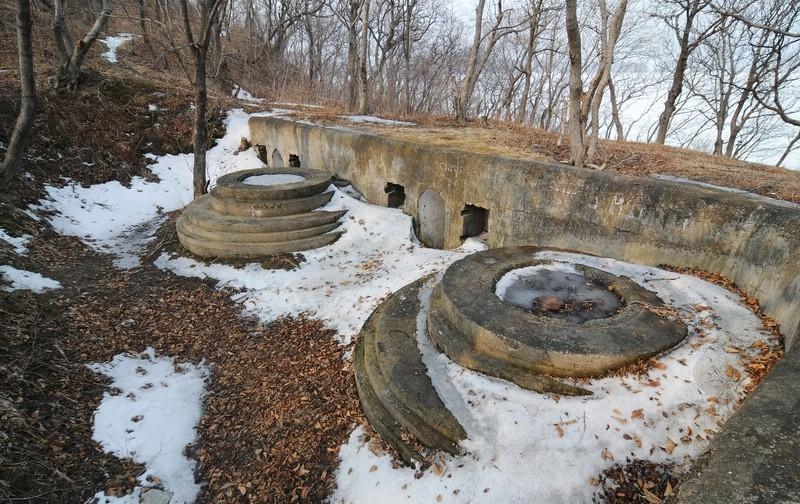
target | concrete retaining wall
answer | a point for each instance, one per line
(754, 241)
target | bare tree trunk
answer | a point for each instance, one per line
(22, 129)
(789, 149)
(577, 125)
(609, 37)
(199, 47)
(468, 86)
(352, 55)
(363, 104)
(691, 8)
(408, 18)
(143, 29)
(615, 111)
(72, 56)
(199, 127)
(527, 69)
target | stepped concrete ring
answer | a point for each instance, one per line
(234, 185)
(489, 335)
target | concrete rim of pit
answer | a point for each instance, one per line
(487, 325)
(232, 185)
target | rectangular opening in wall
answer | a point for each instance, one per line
(395, 195)
(476, 221)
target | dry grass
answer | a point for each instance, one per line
(629, 158)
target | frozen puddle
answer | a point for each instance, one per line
(273, 179)
(150, 415)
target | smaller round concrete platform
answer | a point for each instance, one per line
(245, 220)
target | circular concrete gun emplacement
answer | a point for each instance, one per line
(505, 313)
(255, 213)
(576, 321)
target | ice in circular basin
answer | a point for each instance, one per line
(557, 290)
(273, 179)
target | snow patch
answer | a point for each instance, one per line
(150, 417)
(361, 119)
(113, 43)
(18, 243)
(734, 190)
(273, 179)
(121, 221)
(242, 94)
(342, 283)
(25, 280)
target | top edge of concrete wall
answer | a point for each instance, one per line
(751, 239)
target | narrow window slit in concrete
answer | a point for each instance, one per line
(476, 221)
(396, 195)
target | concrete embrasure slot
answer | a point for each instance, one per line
(476, 221)
(395, 195)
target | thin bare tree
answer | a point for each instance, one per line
(206, 13)
(22, 128)
(71, 55)
(577, 120)
(479, 53)
(682, 19)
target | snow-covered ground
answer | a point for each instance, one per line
(522, 446)
(528, 447)
(21, 279)
(369, 119)
(151, 417)
(18, 243)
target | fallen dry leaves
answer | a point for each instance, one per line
(281, 402)
(636, 481)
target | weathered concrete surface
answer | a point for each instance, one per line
(500, 339)
(395, 390)
(756, 457)
(643, 220)
(239, 220)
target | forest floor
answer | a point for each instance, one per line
(49, 396)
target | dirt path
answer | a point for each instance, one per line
(280, 404)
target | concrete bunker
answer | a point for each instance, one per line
(752, 240)
(395, 195)
(431, 211)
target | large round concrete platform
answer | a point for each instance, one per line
(238, 219)
(395, 391)
(477, 329)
